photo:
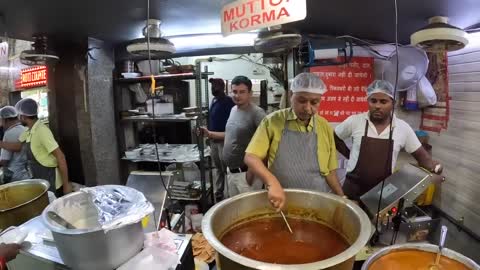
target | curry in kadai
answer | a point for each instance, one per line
(268, 240)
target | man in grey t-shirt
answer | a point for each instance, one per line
(241, 125)
(14, 163)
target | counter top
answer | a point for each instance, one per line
(39, 245)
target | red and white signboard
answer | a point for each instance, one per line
(347, 88)
(33, 77)
(245, 15)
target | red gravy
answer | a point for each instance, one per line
(268, 240)
(414, 260)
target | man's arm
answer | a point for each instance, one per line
(257, 151)
(11, 146)
(425, 160)
(276, 194)
(214, 135)
(331, 178)
(342, 146)
(333, 183)
(62, 167)
(341, 133)
(8, 252)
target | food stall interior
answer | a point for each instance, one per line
(158, 95)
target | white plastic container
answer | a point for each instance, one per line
(197, 222)
(132, 154)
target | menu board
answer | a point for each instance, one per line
(347, 86)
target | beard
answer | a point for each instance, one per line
(378, 116)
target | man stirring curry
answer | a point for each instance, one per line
(298, 144)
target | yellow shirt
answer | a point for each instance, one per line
(42, 144)
(267, 138)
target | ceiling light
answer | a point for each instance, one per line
(208, 41)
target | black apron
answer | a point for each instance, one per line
(373, 166)
(39, 171)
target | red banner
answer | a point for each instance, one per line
(347, 87)
(33, 77)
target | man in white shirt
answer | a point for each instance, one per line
(375, 144)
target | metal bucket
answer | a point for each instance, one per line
(92, 248)
(21, 201)
(340, 214)
(422, 247)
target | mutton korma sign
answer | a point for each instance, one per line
(245, 15)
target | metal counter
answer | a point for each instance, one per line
(39, 245)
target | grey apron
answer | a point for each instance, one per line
(38, 171)
(296, 161)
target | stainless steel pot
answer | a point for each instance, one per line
(91, 248)
(423, 247)
(21, 201)
(340, 214)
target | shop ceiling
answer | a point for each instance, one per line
(117, 21)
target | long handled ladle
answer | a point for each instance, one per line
(443, 236)
(284, 217)
(286, 222)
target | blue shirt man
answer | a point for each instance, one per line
(218, 116)
(219, 113)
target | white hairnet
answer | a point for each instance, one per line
(8, 112)
(380, 86)
(308, 82)
(27, 107)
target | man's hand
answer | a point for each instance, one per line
(9, 251)
(203, 131)
(67, 188)
(276, 195)
(437, 167)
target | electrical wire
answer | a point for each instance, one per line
(369, 46)
(243, 57)
(388, 168)
(153, 95)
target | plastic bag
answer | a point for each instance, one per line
(160, 253)
(118, 205)
(152, 258)
(140, 96)
(426, 95)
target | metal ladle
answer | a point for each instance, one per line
(443, 236)
(286, 222)
(60, 220)
(284, 217)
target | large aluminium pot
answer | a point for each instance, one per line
(340, 214)
(91, 248)
(21, 201)
(421, 247)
